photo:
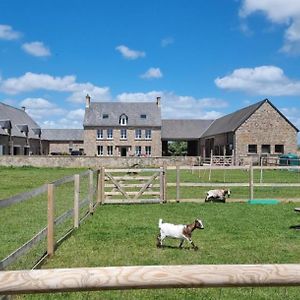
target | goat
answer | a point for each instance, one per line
(217, 194)
(181, 232)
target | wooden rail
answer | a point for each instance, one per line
(148, 277)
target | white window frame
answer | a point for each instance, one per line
(123, 134)
(148, 134)
(110, 133)
(99, 134)
(110, 150)
(148, 150)
(123, 120)
(100, 150)
(138, 150)
(138, 134)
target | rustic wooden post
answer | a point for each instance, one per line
(91, 191)
(177, 183)
(98, 187)
(165, 181)
(211, 163)
(261, 170)
(50, 228)
(233, 158)
(161, 182)
(76, 200)
(102, 184)
(251, 181)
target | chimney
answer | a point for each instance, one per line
(23, 108)
(158, 101)
(87, 101)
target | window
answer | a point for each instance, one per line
(265, 149)
(109, 133)
(123, 134)
(99, 134)
(252, 148)
(148, 150)
(100, 150)
(110, 150)
(148, 134)
(105, 116)
(123, 120)
(279, 148)
(143, 116)
(138, 150)
(138, 133)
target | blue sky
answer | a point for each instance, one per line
(204, 58)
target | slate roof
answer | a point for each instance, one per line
(19, 120)
(133, 110)
(231, 122)
(183, 129)
(62, 134)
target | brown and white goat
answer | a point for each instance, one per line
(217, 194)
(181, 232)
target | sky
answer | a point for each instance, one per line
(203, 58)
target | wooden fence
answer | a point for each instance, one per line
(134, 185)
(148, 277)
(52, 221)
(250, 184)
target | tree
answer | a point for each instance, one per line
(177, 148)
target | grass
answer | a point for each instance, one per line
(234, 233)
(15, 180)
(125, 235)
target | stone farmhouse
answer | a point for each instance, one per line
(136, 129)
(19, 134)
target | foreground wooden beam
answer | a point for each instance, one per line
(148, 277)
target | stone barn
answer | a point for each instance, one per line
(250, 133)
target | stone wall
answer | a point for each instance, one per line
(265, 127)
(91, 142)
(64, 146)
(93, 162)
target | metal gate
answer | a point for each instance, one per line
(133, 185)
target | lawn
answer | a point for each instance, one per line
(234, 233)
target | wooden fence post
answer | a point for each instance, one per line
(165, 181)
(102, 185)
(251, 181)
(50, 228)
(177, 183)
(76, 200)
(91, 191)
(161, 181)
(98, 187)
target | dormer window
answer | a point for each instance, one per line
(105, 116)
(143, 116)
(123, 120)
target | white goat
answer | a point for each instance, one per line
(181, 232)
(217, 194)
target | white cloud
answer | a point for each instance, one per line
(72, 119)
(263, 80)
(7, 33)
(129, 53)
(39, 108)
(32, 81)
(181, 107)
(285, 12)
(167, 41)
(36, 49)
(152, 73)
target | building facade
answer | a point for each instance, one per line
(122, 129)
(250, 133)
(19, 134)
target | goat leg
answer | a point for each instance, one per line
(159, 241)
(181, 243)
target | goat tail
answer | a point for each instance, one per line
(160, 222)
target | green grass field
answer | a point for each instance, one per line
(235, 233)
